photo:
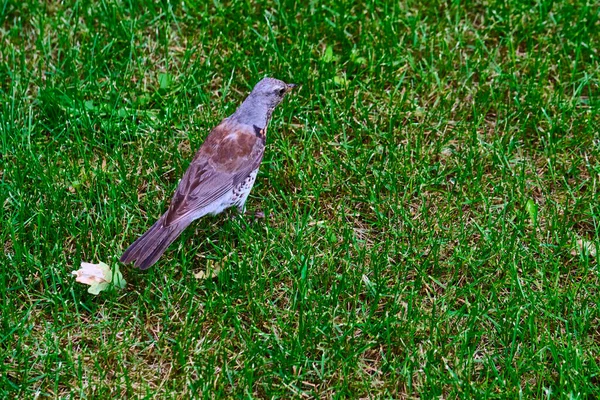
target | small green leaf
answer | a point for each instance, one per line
(96, 288)
(89, 105)
(331, 237)
(340, 81)
(117, 278)
(532, 210)
(328, 56)
(125, 112)
(165, 81)
(304, 272)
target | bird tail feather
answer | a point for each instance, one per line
(148, 248)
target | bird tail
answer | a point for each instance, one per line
(148, 248)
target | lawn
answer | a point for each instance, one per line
(431, 199)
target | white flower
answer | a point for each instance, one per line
(98, 276)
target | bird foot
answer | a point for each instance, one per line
(239, 216)
(257, 214)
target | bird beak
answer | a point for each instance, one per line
(290, 86)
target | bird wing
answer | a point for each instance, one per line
(227, 156)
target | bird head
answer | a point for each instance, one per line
(271, 91)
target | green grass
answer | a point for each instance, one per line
(424, 192)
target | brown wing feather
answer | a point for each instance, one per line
(227, 157)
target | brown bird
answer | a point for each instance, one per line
(221, 174)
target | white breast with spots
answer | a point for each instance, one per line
(240, 192)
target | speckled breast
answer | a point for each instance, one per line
(241, 191)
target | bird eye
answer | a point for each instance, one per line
(281, 92)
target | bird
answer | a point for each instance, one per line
(220, 175)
